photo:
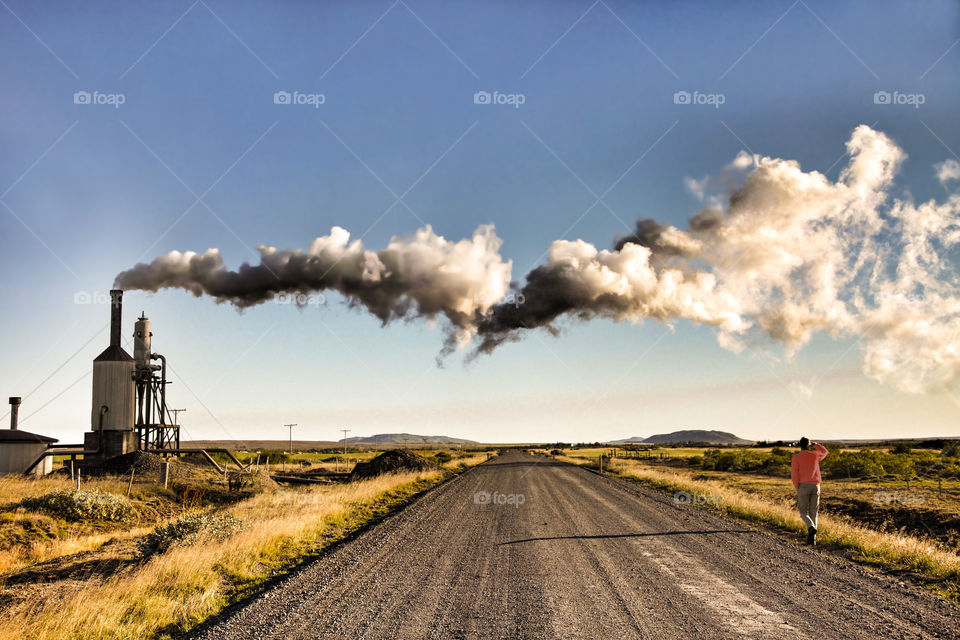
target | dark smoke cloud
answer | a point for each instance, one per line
(654, 236)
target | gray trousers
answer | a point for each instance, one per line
(808, 502)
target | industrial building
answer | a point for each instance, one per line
(19, 449)
(128, 409)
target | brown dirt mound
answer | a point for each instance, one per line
(393, 461)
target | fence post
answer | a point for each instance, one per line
(165, 473)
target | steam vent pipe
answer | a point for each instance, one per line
(116, 308)
(14, 412)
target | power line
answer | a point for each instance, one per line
(48, 402)
(55, 371)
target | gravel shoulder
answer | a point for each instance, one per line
(524, 546)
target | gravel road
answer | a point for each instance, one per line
(525, 547)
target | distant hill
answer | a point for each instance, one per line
(406, 438)
(690, 435)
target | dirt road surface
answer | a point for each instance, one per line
(525, 547)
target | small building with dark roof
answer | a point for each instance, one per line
(19, 449)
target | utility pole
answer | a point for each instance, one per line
(176, 427)
(290, 427)
(175, 412)
(345, 432)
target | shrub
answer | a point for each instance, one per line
(854, 464)
(82, 505)
(188, 530)
(442, 457)
(951, 449)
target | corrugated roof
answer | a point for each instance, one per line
(16, 435)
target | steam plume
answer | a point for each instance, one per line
(785, 255)
(788, 254)
(422, 276)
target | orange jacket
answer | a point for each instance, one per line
(805, 466)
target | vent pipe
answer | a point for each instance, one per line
(14, 412)
(116, 306)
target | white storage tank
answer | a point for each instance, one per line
(112, 410)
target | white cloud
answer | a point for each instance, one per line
(948, 171)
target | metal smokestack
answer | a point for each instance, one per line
(14, 412)
(116, 308)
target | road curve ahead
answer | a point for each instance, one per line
(525, 547)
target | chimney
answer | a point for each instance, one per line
(116, 306)
(14, 411)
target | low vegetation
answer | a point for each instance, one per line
(79, 505)
(181, 554)
(188, 530)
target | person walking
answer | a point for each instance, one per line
(805, 472)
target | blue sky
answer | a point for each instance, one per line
(199, 155)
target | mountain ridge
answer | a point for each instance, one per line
(686, 435)
(405, 438)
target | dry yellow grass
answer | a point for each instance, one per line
(468, 461)
(22, 556)
(896, 551)
(185, 585)
(13, 489)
